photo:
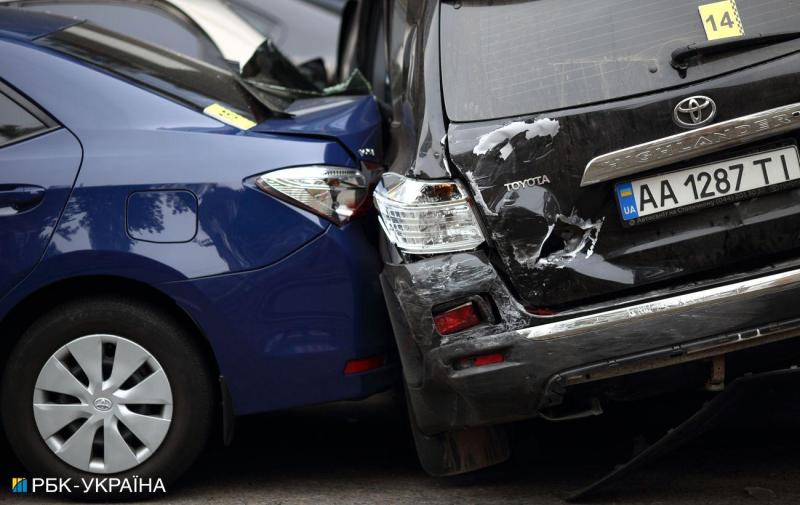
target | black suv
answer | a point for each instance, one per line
(588, 201)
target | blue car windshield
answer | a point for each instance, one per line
(175, 76)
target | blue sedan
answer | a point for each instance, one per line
(175, 252)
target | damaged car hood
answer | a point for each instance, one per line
(349, 119)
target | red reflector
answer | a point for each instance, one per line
(544, 312)
(364, 364)
(481, 360)
(488, 359)
(457, 319)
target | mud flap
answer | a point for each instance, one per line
(461, 451)
(707, 417)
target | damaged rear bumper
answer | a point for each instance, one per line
(545, 356)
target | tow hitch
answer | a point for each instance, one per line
(740, 390)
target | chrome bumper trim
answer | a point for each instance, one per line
(691, 144)
(673, 305)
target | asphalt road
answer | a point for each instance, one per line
(361, 453)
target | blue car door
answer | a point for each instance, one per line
(39, 161)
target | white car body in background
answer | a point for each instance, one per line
(214, 30)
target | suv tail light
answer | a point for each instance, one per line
(427, 217)
(335, 193)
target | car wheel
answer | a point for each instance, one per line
(107, 387)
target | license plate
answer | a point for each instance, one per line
(674, 193)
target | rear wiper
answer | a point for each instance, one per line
(683, 57)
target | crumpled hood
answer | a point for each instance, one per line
(354, 121)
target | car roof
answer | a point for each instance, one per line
(27, 25)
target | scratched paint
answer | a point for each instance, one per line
(502, 136)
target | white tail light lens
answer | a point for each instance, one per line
(335, 193)
(427, 217)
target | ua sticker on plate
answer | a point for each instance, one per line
(721, 20)
(627, 202)
(229, 117)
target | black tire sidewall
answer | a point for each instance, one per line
(168, 342)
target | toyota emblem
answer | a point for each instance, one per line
(695, 111)
(103, 404)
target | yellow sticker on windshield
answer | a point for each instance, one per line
(229, 117)
(721, 20)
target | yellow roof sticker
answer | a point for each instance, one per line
(228, 117)
(721, 20)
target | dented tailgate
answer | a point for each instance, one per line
(569, 94)
(562, 244)
(586, 114)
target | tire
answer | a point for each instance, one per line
(172, 417)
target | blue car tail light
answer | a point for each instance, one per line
(335, 193)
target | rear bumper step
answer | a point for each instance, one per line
(668, 356)
(675, 305)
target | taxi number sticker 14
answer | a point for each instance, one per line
(721, 20)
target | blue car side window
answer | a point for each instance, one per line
(16, 123)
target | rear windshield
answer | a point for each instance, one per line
(178, 77)
(510, 57)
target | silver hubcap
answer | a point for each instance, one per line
(102, 404)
